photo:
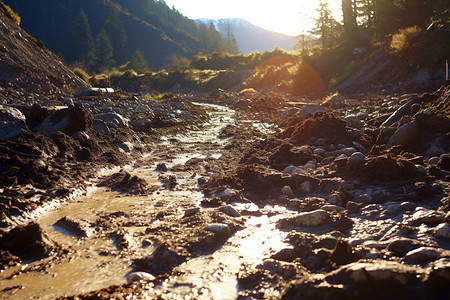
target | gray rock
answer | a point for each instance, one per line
(191, 211)
(217, 228)
(140, 276)
(405, 135)
(353, 122)
(336, 199)
(230, 210)
(329, 207)
(442, 231)
(289, 169)
(424, 254)
(320, 151)
(12, 123)
(112, 119)
(356, 159)
(310, 110)
(286, 190)
(312, 218)
(362, 115)
(378, 270)
(352, 207)
(290, 111)
(400, 246)
(101, 126)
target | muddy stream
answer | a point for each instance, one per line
(95, 260)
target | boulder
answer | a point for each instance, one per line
(12, 123)
(310, 110)
(405, 135)
(69, 120)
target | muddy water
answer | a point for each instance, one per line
(96, 262)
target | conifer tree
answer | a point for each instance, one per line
(102, 57)
(138, 62)
(80, 44)
(232, 44)
(117, 34)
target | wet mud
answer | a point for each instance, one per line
(347, 203)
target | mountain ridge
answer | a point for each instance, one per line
(251, 37)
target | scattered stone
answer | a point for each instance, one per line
(442, 231)
(161, 167)
(353, 207)
(356, 159)
(342, 253)
(310, 110)
(353, 122)
(112, 119)
(312, 218)
(287, 190)
(423, 254)
(337, 199)
(400, 246)
(140, 276)
(230, 210)
(218, 228)
(191, 211)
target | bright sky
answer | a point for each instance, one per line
(283, 16)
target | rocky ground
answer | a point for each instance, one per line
(354, 191)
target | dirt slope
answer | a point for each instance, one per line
(27, 67)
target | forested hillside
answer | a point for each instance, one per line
(99, 34)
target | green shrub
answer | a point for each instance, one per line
(9, 12)
(82, 74)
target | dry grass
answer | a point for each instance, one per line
(401, 40)
(9, 12)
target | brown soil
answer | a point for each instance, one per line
(29, 70)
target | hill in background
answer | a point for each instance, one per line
(148, 26)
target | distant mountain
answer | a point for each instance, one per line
(149, 26)
(250, 37)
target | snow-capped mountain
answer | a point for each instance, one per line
(250, 37)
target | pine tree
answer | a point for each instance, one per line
(102, 57)
(326, 26)
(138, 63)
(232, 44)
(117, 34)
(80, 44)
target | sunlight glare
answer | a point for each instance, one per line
(285, 16)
